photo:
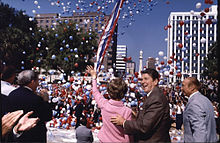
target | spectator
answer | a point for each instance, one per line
(116, 90)
(23, 124)
(8, 75)
(83, 134)
(24, 98)
(78, 113)
(179, 115)
(198, 117)
(153, 121)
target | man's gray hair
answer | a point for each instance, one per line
(25, 77)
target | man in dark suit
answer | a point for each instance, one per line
(78, 112)
(24, 98)
(152, 123)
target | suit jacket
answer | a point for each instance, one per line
(84, 135)
(79, 110)
(153, 121)
(198, 120)
(25, 99)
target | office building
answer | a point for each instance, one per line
(190, 34)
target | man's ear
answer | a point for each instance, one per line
(156, 82)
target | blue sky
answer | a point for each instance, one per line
(146, 33)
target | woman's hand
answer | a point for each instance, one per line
(91, 71)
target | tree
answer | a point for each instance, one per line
(65, 49)
(16, 38)
(211, 63)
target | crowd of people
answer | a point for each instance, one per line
(123, 110)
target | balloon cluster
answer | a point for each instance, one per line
(130, 9)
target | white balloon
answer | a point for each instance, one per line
(164, 57)
(198, 5)
(88, 87)
(166, 73)
(111, 70)
(30, 19)
(33, 11)
(160, 53)
(194, 44)
(36, 2)
(192, 12)
(76, 56)
(132, 85)
(202, 40)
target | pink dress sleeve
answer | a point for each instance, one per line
(100, 100)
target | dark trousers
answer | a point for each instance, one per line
(179, 121)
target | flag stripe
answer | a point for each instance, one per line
(107, 34)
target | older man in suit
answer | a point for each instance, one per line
(152, 123)
(198, 117)
(24, 98)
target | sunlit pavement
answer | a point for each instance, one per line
(55, 135)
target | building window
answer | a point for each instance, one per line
(187, 44)
(202, 25)
(210, 25)
(210, 31)
(187, 25)
(194, 58)
(75, 20)
(194, 51)
(210, 38)
(41, 21)
(47, 21)
(194, 38)
(194, 31)
(194, 25)
(186, 51)
(202, 44)
(80, 20)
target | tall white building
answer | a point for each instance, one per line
(121, 54)
(189, 36)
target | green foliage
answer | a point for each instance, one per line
(55, 40)
(211, 63)
(23, 44)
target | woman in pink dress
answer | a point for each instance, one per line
(109, 108)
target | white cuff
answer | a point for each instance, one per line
(123, 125)
(17, 135)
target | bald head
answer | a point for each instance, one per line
(194, 82)
(190, 85)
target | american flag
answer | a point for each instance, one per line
(107, 34)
